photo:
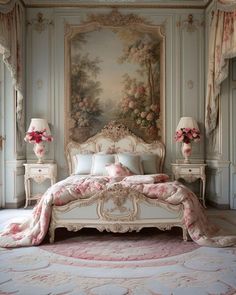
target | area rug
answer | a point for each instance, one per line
(150, 262)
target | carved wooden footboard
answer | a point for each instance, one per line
(117, 209)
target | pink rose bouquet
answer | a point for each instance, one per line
(37, 136)
(187, 135)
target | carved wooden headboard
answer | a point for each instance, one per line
(115, 138)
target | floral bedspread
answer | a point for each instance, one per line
(33, 230)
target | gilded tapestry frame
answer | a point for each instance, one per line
(131, 114)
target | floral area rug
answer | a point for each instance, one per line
(92, 263)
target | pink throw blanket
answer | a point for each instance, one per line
(34, 229)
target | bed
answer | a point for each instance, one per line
(117, 208)
(115, 184)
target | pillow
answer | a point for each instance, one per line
(147, 179)
(99, 163)
(83, 163)
(117, 169)
(161, 177)
(149, 163)
(132, 162)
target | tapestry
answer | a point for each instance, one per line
(114, 73)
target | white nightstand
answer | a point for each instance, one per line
(39, 173)
(190, 173)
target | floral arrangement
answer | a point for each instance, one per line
(187, 135)
(137, 105)
(37, 136)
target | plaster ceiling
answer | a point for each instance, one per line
(141, 3)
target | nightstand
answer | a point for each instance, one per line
(39, 173)
(190, 173)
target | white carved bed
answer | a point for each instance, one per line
(116, 209)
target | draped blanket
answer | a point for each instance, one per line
(33, 230)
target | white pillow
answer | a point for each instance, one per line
(83, 163)
(149, 163)
(100, 161)
(132, 162)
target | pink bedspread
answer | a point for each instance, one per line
(34, 229)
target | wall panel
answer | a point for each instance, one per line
(184, 62)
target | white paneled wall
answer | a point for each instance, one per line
(186, 58)
(221, 145)
(12, 188)
(232, 134)
(185, 72)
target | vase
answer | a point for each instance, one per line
(186, 152)
(39, 150)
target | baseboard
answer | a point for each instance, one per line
(218, 206)
(15, 205)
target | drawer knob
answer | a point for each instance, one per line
(190, 170)
(40, 170)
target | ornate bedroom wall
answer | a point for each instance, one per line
(186, 34)
(184, 90)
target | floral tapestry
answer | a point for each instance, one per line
(115, 73)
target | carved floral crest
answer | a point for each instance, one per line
(116, 130)
(115, 18)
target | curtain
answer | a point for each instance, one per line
(222, 47)
(11, 46)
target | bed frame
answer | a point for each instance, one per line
(116, 209)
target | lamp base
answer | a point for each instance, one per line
(39, 150)
(186, 151)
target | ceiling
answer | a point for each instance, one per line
(137, 3)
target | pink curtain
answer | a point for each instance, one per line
(11, 47)
(222, 47)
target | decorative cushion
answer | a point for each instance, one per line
(131, 161)
(161, 177)
(99, 163)
(149, 163)
(83, 163)
(117, 169)
(147, 179)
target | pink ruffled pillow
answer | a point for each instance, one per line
(117, 169)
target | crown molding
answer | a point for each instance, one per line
(200, 4)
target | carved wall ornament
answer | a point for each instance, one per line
(190, 84)
(40, 23)
(39, 83)
(115, 18)
(190, 24)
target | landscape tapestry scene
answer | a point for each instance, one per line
(115, 74)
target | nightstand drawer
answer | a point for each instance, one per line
(41, 170)
(189, 170)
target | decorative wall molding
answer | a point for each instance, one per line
(190, 24)
(186, 4)
(116, 19)
(40, 23)
(190, 84)
(218, 183)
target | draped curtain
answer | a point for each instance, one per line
(11, 47)
(222, 47)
